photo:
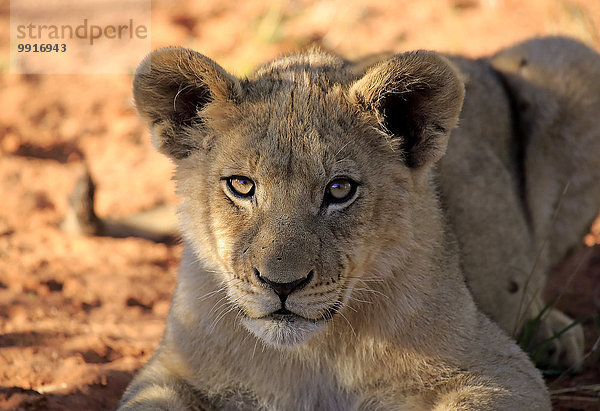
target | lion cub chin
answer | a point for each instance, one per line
(283, 332)
(313, 222)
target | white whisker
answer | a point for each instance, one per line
(350, 308)
(350, 297)
(210, 294)
(370, 290)
(338, 310)
(368, 279)
(254, 350)
(221, 316)
(340, 150)
(214, 308)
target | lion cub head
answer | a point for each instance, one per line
(301, 180)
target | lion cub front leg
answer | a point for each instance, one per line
(157, 388)
(488, 372)
(473, 398)
(556, 339)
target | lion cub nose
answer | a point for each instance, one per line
(284, 289)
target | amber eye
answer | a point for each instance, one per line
(339, 191)
(241, 186)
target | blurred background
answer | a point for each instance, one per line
(79, 314)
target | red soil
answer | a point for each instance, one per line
(78, 315)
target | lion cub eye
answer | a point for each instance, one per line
(241, 186)
(339, 191)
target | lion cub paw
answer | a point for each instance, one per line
(558, 342)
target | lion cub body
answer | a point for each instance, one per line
(383, 319)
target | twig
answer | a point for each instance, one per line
(578, 388)
(575, 398)
(521, 312)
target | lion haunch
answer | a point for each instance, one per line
(331, 215)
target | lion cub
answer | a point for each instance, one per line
(328, 239)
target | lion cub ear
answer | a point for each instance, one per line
(171, 88)
(416, 98)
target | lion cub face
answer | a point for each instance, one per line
(295, 179)
(284, 207)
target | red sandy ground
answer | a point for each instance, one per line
(78, 315)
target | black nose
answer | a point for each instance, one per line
(284, 289)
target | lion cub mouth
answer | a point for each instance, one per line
(282, 314)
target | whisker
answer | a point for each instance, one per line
(255, 344)
(351, 297)
(246, 337)
(370, 290)
(215, 305)
(338, 310)
(331, 327)
(370, 279)
(221, 316)
(207, 295)
(237, 322)
(351, 308)
(224, 304)
(220, 308)
(340, 150)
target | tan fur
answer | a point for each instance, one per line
(530, 188)
(386, 321)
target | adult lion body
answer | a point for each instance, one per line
(321, 269)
